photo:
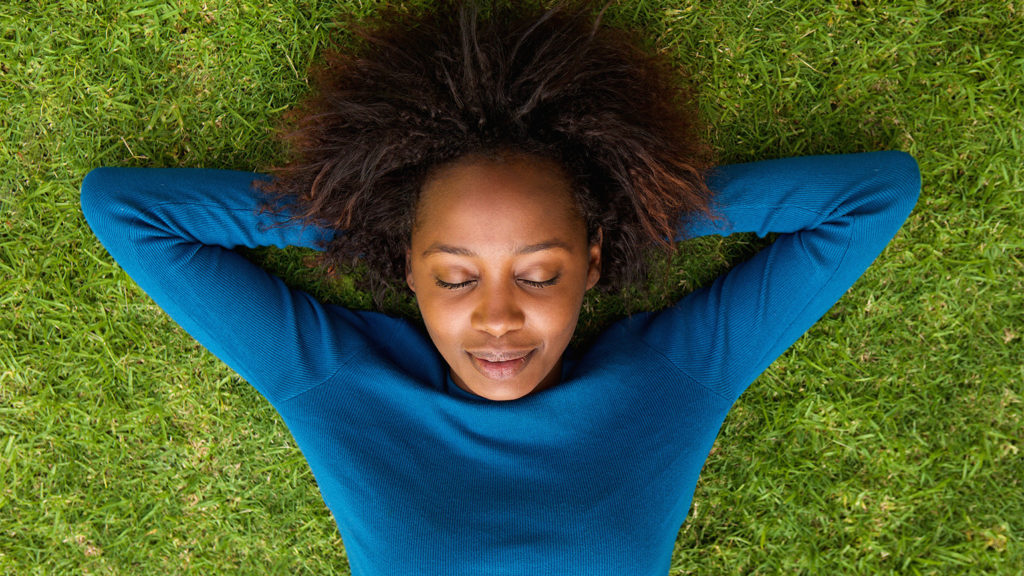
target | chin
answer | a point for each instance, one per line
(503, 391)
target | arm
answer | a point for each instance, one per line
(834, 214)
(173, 231)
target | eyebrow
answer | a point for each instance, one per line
(436, 248)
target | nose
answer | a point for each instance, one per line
(498, 311)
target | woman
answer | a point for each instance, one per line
(499, 166)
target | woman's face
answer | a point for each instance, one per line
(499, 262)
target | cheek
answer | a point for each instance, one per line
(557, 319)
(445, 321)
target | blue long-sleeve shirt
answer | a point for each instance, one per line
(592, 476)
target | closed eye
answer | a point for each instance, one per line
(452, 285)
(541, 284)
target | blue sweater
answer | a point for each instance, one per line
(592, 476)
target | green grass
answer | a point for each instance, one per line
(885, 441)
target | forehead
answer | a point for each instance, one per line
(515, 200)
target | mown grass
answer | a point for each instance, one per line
(886, 441)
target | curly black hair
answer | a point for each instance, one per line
(427, 87)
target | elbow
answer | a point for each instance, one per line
(93, 195)
(903, 177)
(102, 201)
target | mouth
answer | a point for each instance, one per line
(501, 365)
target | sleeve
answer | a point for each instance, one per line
(834, 216)
(173, 231)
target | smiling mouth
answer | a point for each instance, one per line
(501, 365)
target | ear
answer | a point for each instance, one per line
(408, 271)
(594, 268)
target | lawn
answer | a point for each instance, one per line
(886, 440)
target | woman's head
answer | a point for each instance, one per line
(545, 106)
(499, 261)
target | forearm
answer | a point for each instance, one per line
(792, 194)
(212, 207)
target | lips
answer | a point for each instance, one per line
(501, 365)
(500, 356)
